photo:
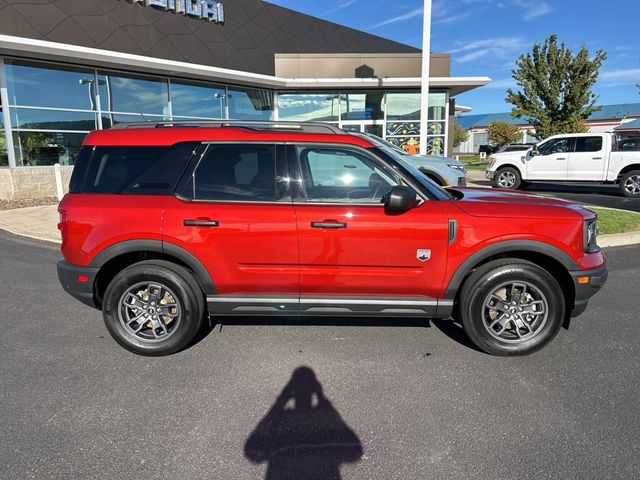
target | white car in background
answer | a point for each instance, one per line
(577, 157)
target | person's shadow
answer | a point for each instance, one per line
(302, 436)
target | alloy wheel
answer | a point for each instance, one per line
(506, 179)
(632, 185)
(149, 311)
(515, 312)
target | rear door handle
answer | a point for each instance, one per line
(561, 158)
(328, 224)
(596, 158)
(200, 222)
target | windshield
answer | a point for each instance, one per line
(438, 192)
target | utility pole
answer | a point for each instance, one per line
(426, 63)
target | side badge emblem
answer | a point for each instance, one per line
(423, 254)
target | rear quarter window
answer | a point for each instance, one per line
(131, 170)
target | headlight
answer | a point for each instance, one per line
(492, 161)
(457, 166)
(591, 236)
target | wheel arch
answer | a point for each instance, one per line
(627, 169)
(557, 262)
(509, 165)
(116, 257)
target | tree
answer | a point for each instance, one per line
(460, 135)
(555, 93)
(501, 133)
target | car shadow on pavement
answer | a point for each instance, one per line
(455, 332)
(302, 436)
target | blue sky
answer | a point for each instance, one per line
(485, 37)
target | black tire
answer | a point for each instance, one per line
(630, 184)
(179, 283)
(507, 178)
(476, 316)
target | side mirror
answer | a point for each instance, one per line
(400, 199)
(534, 152)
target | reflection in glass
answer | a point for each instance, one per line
(363, 106)
(308, 106)
(130, 94)
(111, 119)
(403, 106)
(30, 118)
(4, 158)
(437, 106)
(49, 86)
(250, 104)
(46, 148)
(189, 100)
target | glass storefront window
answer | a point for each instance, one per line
(250, 104)
(403, 106)
(437, 106)
(193, 101)
(50, 86)
(131, 94)
(46, 148)
(4, 158)
(111, 119)
(301, 106)
(34, 119)
(363, 106)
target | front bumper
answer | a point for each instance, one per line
(489, 174)
(584, 291)
(81, 290)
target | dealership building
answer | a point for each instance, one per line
(68, 67)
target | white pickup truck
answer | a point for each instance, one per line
(577, 157)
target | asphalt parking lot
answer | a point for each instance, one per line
(386, 400)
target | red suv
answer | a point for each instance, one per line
(168, 223)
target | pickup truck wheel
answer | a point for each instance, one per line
(630, 184)
(508, 178)
(153, 308)
(511, 307)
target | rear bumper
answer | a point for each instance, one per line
(584, 291)
(68, 275)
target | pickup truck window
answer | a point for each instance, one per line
(588, 144)
(558, 145)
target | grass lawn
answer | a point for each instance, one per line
(474, 162)
(616, 221)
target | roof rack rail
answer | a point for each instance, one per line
(306, 127)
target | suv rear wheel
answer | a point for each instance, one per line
(511, 307)
(507, 177)
(153, 308)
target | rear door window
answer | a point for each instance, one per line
(588, 144)
(133, 170)
(232, 172)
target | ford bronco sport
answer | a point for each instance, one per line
(167, 223)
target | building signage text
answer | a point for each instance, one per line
(210, 10)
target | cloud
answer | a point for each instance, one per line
(341, 6)
(531, 8)
(401, 18)
(499, 47)
(502, 84)
(622, 76)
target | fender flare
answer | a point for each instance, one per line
(505, 247)
(131, 246)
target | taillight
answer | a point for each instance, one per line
(63, 218)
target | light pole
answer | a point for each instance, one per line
(426, 63)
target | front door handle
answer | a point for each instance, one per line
(328, 224)
(200, 222)
(561, 158)
(596, 158)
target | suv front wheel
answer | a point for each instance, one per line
(511, 307)
(153, 308)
